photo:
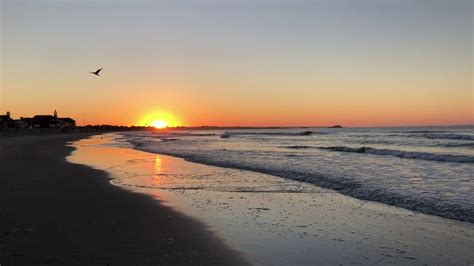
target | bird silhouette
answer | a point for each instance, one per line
(96, 72)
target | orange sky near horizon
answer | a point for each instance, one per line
(239, 64)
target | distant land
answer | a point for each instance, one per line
(150, 128)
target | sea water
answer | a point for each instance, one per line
(425, 169)
(274, 220)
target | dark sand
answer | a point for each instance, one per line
(55, 212)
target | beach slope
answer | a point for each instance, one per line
(55, 212)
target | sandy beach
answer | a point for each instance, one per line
(54, 212)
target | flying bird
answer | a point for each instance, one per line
(96, 72)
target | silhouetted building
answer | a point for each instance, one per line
(67, 122)
(51, 121)
(37, 121)
(6, 121)
(45, 121)
(23, 122)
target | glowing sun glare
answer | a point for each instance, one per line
(158, 119)
(159, 124)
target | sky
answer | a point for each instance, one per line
(240, 63)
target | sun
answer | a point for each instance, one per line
(159, 124)
(158, 119)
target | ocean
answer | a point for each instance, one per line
(424, 169)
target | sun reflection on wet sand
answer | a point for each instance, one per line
(129, 168)
(158, 164)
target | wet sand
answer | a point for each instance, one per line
(56, 212)
(277, 221)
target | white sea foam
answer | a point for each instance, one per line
(440, 135)
(428, 175)
(404, 154)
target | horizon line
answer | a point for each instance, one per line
(295, 126)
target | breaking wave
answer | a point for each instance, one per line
(429, 176)
(462, 144)
(343, 185)
(445, 136)
(404, 154)
(302, 133)
(183, 134)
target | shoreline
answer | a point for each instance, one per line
(401, 176)
(56, 212)
(276, 220)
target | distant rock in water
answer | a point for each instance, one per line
(225, 135)
(336, 126)
(307, 133)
